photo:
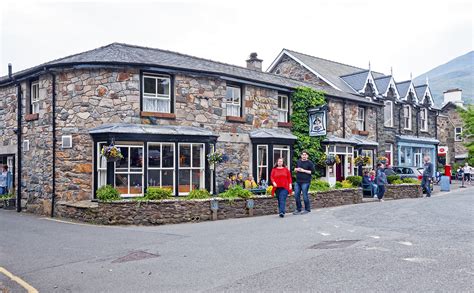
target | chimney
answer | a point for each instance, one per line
(254, 63)
(9, 70)
(454, 96)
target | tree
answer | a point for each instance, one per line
(305, 98)
(467, 116)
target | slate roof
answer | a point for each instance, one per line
(427, 140)
(151, 129)
(125, 54)
(356, 80)
(382, 83)
(403, 88)
(353, 140)
(420, 91)
(272, 133)
(331, 70)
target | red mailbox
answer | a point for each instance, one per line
(447, 171)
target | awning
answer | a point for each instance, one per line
(272, 134)
(352, 140)
(144, 129)
(419, 139)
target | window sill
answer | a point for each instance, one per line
(235, 119)
(31, 117)
(158, 115)
(360, 132)
(285, 124)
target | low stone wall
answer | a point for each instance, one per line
(174, 211)
(400, 191)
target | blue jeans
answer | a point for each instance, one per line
(374, 189)
(380, 191)
(425, 183)
(302, 187)
(3, 190)
(281, 195)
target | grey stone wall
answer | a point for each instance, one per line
(290, 68)
(401, 191)
(447, 121)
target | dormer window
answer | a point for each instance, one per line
(411, 96)
(391, 92)
(369, 89)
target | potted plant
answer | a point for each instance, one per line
(8, 201)
(332, 159)
(112, 153)
(382, 160)
(362, 161)
(217, 158)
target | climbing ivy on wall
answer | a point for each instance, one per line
(305, 98)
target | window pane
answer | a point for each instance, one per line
(262, 156)
(154, 156)
(136, 184)
(121, 183)
(184, 181)
(163, 106)
(261, 174)
(154, 178)
(168, 157)
(228, 95)
(167, 179)
(276, 155)
(101, 178)
(149, 85)
(284, 155)
(198, 179)
(197, 152)
(136, 159)
(122, 164)
(150, 105)
(163, 86)
(236, 93)
(185, 155)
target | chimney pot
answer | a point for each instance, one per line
(254, 63)
(9, 70)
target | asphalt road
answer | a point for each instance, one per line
(411, 245)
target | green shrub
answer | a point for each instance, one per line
(347, 184)
(355, 180)
(236, 192)
(319, 185)
(397, 181)
(338, 185)
(107, 193)
(198, 194)
(5, 196)
(391, 178)
(410, 180)
(155, 193)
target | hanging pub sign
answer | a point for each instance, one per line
(318, 120)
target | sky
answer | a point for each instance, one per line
(411, 37)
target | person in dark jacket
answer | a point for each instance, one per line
(304, 169)
(381, 181)
(427, 176)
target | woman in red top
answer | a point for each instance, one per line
(281, 180)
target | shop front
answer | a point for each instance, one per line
(171, 157)
(412, 150)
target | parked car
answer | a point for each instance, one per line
(408, 172)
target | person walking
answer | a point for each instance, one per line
(304, 169)
(467, 173)
(427, 175)
(381, 181)
(281, 181)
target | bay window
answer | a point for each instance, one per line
(129, 171)
(282, 151)
(262, 163)
(191, 167)
(157, 93)
(161, 165)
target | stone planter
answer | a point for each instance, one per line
(9, 204)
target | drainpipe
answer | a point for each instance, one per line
(343, 118)
(400, 119)
(53, 198)
(417, 121)
(18, 135)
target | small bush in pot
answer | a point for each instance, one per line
(198, 194)
(107, 193)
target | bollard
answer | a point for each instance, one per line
(214, 208)
(250, 205)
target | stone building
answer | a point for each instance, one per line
(451, 148)
(166, 111)
(381, 117)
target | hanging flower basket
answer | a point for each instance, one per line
(112, 153)
(215, 158)
(362, 161)
(331, 160)
(382, 160)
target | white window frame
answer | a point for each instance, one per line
(388, 121)
(391, 153)
(101, 162)
(156, 95)
(161, 168)
(424, 119)
(370, 154)
(458, 133)
(407, 119)
(34, 97)
(360, 121)
(233, 108)
(128, 172)
(280, 149)
(64, 139)
(202, 168)
(282, 111)
(259, 166)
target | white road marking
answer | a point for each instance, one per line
(336, 226)
(407, 243)
(419, 259)
(324, 233)
(374, 236)
(20, 281)
(376, 248)
(352, 231)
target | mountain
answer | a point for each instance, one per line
(457, 73)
